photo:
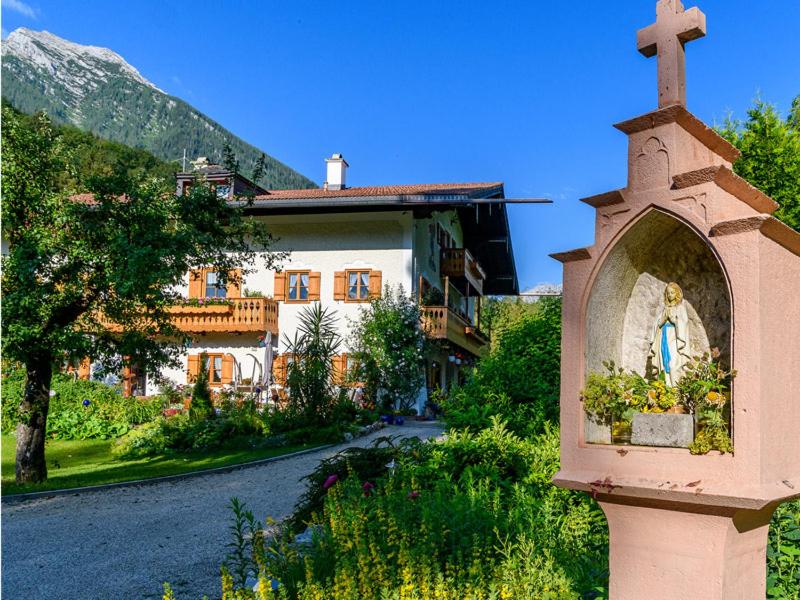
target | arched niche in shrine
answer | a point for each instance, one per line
(628, 290)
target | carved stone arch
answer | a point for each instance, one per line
(627, 290)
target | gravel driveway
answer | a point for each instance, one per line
(123, 543)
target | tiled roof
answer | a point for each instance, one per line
(428, 189)
(421, 189)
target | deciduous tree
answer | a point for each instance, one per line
(95, 275)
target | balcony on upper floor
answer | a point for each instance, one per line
(463, 271)
(443, 323)
(233, 315)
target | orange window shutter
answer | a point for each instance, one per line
(227, 369)
(279, 369)
(338, 372)
(345, 373)
(339, 285)
(313, 286)
(375, 284)
(234, 287)
(196, 283)
(84, 369)
(279, 292)
(193, 368)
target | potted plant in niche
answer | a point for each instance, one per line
(610, 401)
(705, 389)
(623, 408)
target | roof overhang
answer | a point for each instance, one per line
(482, 213)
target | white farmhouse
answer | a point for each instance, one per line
(447, 244)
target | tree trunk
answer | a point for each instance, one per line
(31, 466)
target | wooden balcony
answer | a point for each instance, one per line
(442, 323)
(462, 269)
(238, 315)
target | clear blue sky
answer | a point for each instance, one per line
(417, 91)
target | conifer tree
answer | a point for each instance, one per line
(201, 407)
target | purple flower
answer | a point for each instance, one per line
(413, 495)
(330, 481)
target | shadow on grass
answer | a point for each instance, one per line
(73, 464)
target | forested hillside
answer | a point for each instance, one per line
(96, 90)
(92, 155)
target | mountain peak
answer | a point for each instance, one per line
(95, 89)
(54, 54)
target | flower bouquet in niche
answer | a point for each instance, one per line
(705, 390)
(613, 398)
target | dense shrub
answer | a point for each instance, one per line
(106, 415)
(389, 346)
(237, 425)
(468, 517)
(520, 379)
(783, 552)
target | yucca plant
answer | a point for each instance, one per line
(309, 374)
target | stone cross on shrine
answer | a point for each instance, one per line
(666, 37)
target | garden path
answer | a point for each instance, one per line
(124, 542)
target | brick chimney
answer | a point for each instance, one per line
(337, 170)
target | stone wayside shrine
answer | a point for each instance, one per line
(692, 288)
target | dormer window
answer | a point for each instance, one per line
(222, 190)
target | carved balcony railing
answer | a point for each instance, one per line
(443, 323)
(235, 316)
(461, 268)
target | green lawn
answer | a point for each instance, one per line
(89, 462)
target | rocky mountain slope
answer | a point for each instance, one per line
(96, 89)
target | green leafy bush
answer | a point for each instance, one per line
(472, 514)
(389, 346)
(107, 414)
(783, 552)
(146, 440)
(520, 379)
(238, 424)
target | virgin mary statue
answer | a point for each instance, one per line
(670, 346)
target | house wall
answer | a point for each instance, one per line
(395, 243)
(323, 243)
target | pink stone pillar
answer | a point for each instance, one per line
(670, 551)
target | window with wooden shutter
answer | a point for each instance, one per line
(339, 285)
(375, 284)
(193, 368)
(214, 368)
(314, 280)
(227, 369)
(279, 289)
(357, 285)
